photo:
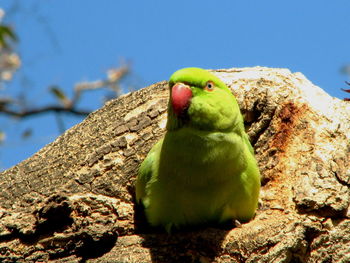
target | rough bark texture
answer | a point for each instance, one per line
(73, 200)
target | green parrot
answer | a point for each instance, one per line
(203, 170)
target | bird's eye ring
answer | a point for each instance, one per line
(209, 86)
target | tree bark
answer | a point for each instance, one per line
(73, 200)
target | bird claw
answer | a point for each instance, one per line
(237, 223)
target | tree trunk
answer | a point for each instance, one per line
(73, 200)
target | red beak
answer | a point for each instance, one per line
(181, 95)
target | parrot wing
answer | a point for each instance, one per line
(247, 142)
(146, 170)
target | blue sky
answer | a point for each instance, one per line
(64, 42)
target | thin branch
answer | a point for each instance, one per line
(67, 105)
(113, 78)
(60, 122)
(45, 109)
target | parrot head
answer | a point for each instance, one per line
(200, 100)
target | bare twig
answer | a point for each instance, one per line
(113, 78)
(45, 109)
(60, 122)
(67, 105)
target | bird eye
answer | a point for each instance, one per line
(209, 86)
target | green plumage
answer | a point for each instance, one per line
(204, 169)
